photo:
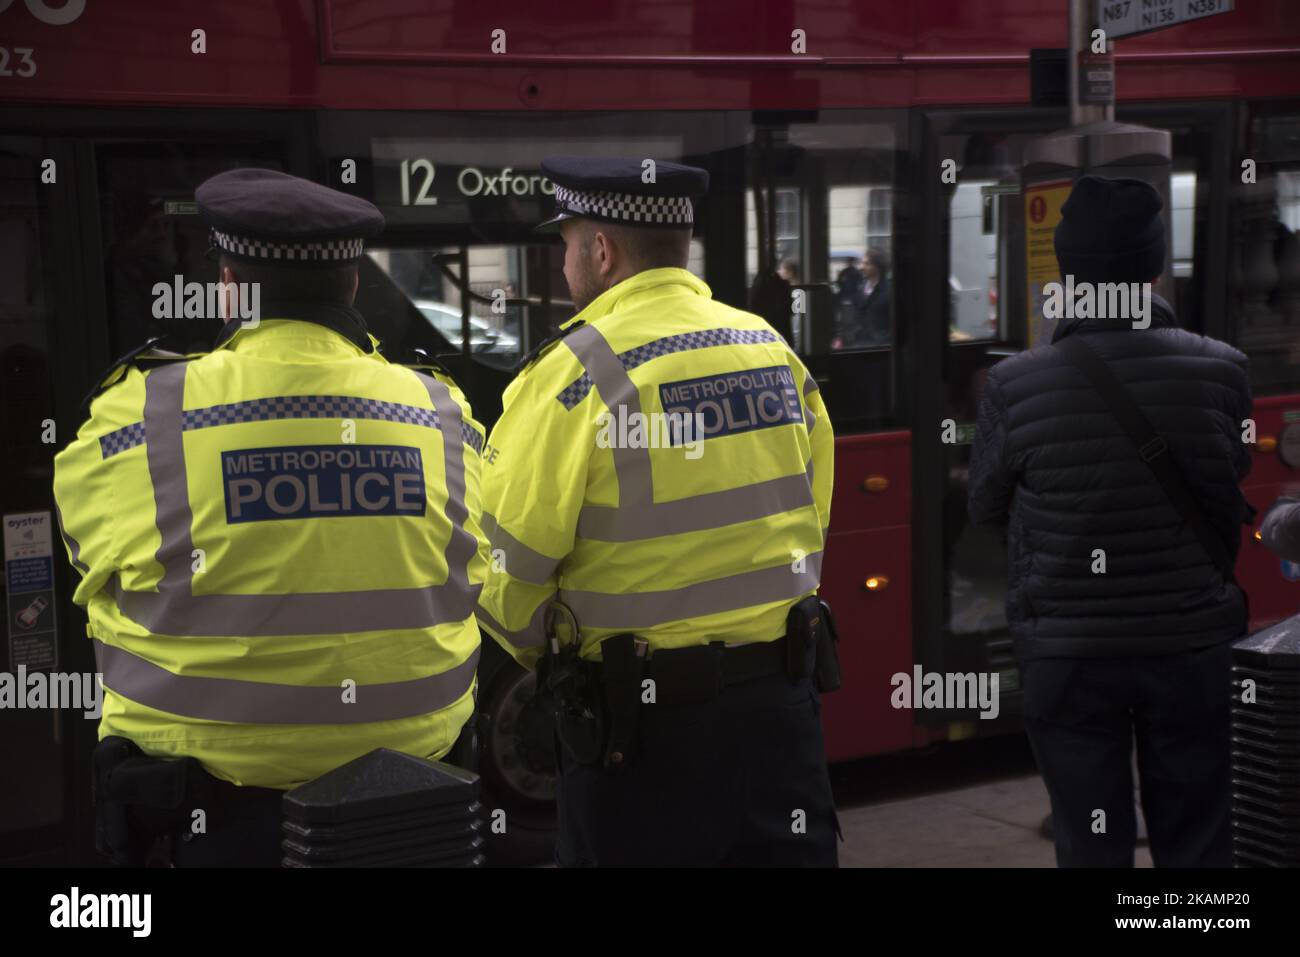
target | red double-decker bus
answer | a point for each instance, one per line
(824, 126)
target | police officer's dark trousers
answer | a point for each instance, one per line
(1082, 715)
(739, 780)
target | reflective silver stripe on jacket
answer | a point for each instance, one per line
(174, 609)
(699, 512)
(74, 546)
(634, 610)
(616, 387)
(533, 635)
(256, 702)
(517, 559)
(637, 515)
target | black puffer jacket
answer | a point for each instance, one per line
(1051, 461)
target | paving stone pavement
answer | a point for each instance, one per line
(992, 824)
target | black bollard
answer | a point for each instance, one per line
(385, 809)
(1266, 747)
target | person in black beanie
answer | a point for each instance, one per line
(1111, 231)
(1121, 609)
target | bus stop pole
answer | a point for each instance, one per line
(1082, 23)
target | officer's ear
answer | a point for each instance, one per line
(227, 291)
(605, 251)
(356, 284)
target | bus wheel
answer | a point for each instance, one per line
(518, 769)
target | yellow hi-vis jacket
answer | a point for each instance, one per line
(680, 538)
(280, 554)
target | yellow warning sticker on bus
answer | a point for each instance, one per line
(1043, 202)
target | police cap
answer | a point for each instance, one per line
(630, 191)
(261, 215)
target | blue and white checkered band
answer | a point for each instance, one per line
(333, 250)
(578, 389)
(625, 207)
(290, 407)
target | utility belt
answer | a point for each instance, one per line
(142, 804)
(597, 704)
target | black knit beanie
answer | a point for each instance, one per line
(1111, 231)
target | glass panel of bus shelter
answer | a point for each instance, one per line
(823, 276)
(986, 322)
(29, 736)
(1264, 294)
(152, 234)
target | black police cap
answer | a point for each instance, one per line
(630, 191)
(262, 215)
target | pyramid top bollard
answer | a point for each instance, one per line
(380, 783)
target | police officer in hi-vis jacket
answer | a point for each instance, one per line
(278, 542)
(657, 495)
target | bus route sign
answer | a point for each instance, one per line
(1124, 18)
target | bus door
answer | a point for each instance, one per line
(974, 311)
(822, 250)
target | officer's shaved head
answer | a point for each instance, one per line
(648, 248)
(600, 254)
(328, 284)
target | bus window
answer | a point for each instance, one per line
(819, 244)
(1182, 191)
(973, 261)
(461, 194)
(416, 298)
(1288, 199)
(1265, 290)
(429, 278)
(471, 190)
(152, 234)
(786, 253)
(860, 221)
(695, 262)
(512, 291)
(789, 230)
